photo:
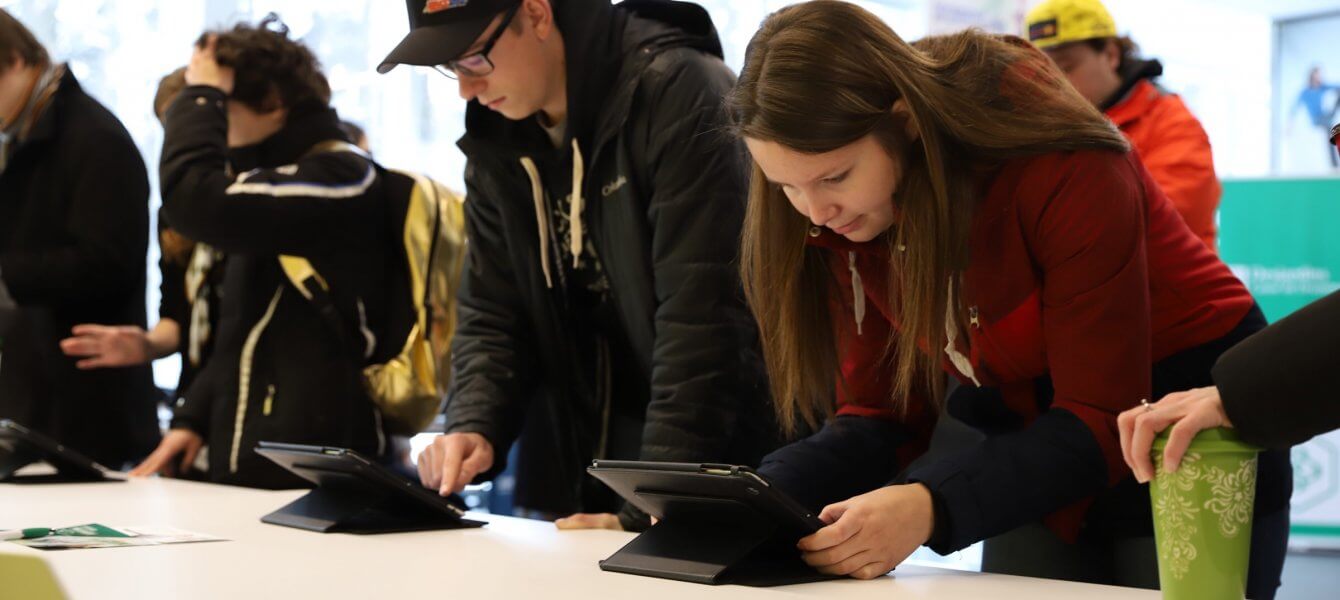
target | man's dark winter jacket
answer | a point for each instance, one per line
(664, 187)
(74, 229)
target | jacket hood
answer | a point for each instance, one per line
(1132, 73)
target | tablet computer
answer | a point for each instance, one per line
(357, 495)
(717, 524)
(662, 488)
(21, 446)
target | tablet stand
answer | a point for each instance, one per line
(60, 476)
(713, 541)
(68, 466)
(331, 509)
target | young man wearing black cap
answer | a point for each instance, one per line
(600, 314)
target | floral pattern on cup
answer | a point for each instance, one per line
(1233, 495)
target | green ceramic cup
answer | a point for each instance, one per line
(1203, 517)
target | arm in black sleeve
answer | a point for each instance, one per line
(1095, 324)
(850, 456)
(325, 202)
(193, 407)
(1275, 385)
(493, 349)
(107, 232)
(1011, 479)
(706, 365)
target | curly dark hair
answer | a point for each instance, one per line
(271, 71)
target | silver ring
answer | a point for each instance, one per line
(1145, 403)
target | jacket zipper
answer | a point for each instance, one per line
(604, 375)
(603, 392)
(244, 377)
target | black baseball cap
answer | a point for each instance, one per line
(441, 30)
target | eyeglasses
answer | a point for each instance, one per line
(478, 63)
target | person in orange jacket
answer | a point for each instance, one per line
(1081, 37)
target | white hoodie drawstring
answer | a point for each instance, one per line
(541, 215)
(577, 229)
(857, 291)
(575, 210)
(960, 361)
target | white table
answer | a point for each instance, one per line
(509, 558)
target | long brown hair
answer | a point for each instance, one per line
(824, 74)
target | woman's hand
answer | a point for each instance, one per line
(1188, 412)
(867, 536)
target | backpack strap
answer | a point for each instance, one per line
(420, 235)
(300, 271)
(314, 288)
(303, 276)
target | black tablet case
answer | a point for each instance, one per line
(356, 495)
(20, 447)
(717, 524)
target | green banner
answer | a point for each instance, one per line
(1281, 237)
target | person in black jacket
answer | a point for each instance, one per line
(184, 321)
(600, 312)
(1269, 388)
(243, 171)
(74, 230)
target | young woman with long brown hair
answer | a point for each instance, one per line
(957, 208)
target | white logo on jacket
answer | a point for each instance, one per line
(613, 186)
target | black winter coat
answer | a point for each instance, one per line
(1275, 385)
(665, 196)
(279, 371)
(74, 230)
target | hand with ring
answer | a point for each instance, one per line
(1187, 412)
